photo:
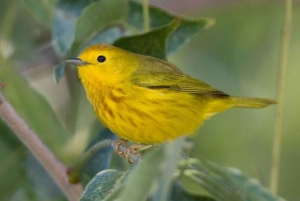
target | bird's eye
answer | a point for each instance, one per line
(101, 58)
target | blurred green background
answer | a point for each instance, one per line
(239, 55)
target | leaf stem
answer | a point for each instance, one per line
(146, 15)
(30, 139)
(283, 63)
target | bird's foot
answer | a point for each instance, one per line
(132, 153)
(119, 146)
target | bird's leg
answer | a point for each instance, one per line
(131, 153)
(135, 150)
(119, 147)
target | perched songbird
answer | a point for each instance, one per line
(147, 100)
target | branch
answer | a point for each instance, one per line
(54, 167)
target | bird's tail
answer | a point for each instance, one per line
(252, 102)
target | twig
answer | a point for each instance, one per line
(54, 167)
(283, 60)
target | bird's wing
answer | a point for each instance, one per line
(158, 74)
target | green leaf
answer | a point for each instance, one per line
(227, 183)
(42, 184)
(63, 28)
(188, 184)
(138, 187)
(172, 152)
(152, 43)
(250, 189)
(42, 10)
(159, 17)
(178, 194)
(108, 35)
(101, 185)
(32, 107)
(12, 156)
(100, 160)
(187, 29)
(95, 18)
(59, 71)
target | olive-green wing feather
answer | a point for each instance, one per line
(158, 74)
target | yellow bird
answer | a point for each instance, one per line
(147, 100)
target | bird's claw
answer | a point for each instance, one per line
(130, 153)
(133, 150)
(118, 145)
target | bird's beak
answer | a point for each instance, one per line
(75, 61)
